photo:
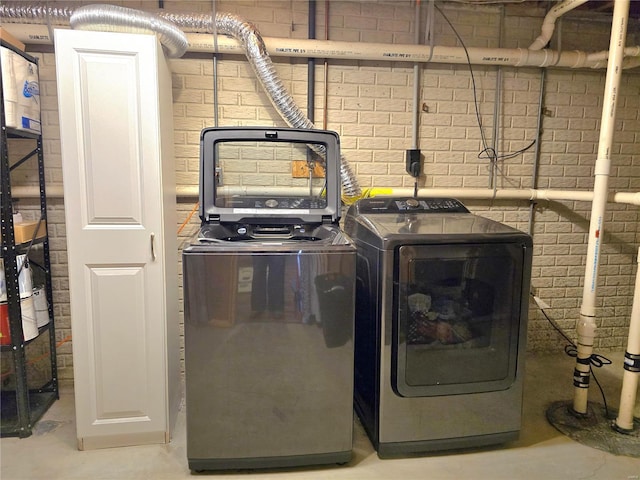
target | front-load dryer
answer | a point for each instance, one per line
(441, 324)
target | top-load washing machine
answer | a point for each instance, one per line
(269, 304)
(441, 318)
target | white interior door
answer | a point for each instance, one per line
(107, 89)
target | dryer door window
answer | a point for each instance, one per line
(456, 318)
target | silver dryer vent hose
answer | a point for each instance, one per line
(255, 50)
(170, 27)
(112, 18)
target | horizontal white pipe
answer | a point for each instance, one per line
(629, 378)
(305, 48)
(604, 56)
(549, 22)
(517, 57)
(631, 198)
(628, 198)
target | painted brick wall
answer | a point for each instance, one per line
(369, 104)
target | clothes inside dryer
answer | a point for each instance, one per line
(455, 317)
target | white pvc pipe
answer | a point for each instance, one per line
(631, 373)
(626, 198)
(517, 57)
(290, 47)
(630, 198)
(549, 22)
(603, 56)
(586, 325)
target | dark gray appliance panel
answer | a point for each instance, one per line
(272, 382)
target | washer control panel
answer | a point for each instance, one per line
(410, 204)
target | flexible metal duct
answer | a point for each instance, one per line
(113, 18)
(249, 37)
(38, 13)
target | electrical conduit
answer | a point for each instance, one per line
(536, 153)
(586, 325)
(415, 115)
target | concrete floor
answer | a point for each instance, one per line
(541, 452)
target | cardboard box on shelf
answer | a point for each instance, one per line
(24, 231)
(21, 92)
(7, 37)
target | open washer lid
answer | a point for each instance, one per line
(247, 175)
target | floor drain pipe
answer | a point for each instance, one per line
(586, 325)
(631, 374)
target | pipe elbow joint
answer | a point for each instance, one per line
(538, 43)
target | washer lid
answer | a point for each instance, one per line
(252, 175)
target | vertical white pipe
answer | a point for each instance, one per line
(586, 325)
(631, 374)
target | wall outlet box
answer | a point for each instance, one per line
(300, 169)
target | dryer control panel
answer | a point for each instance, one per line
(410, 204)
